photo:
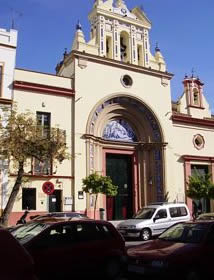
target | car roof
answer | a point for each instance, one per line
(61, 220)
(165, 204)
(199, 222)
(207, 214)
(57, 214)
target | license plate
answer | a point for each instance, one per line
(136, 269)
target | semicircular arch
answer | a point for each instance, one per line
(134, 111)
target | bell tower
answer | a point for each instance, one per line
(119, 34)
(193, 89)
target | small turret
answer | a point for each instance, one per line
(98, 3)
(79, 37)
(193, 89)
(160, 59)
(120, 4)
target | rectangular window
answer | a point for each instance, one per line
(199, 169)
(45, 167)
(29, 199)
(44, 120)
(1, 79)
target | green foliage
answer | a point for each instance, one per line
(21, 138)
(200, 186)
(95, 184)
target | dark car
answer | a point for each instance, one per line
(184, 251)
(206, 216)
(64, 249)
(59, 215)
(15, 262)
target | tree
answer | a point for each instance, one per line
(21, 140)
(200, 186)
(95, 184)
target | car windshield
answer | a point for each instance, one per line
(28, 231)
(144, 213)
(185, 233)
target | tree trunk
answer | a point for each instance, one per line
(95, 205)
(8, 209)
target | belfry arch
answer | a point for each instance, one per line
(125, 141)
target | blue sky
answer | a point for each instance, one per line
(182, 28)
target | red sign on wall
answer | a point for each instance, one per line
(48, 188)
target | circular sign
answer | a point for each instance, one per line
(48, 188)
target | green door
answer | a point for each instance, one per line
(119, 168)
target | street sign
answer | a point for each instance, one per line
(48, 188)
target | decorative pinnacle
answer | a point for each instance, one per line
(65, 54)
(193, 71)
(157, 49)
(78, 26)
(119, 3)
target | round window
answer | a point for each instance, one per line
(126, 81)
(198, 141)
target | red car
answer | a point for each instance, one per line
(184, 251)
(62, 249)
(15, 261)
(59, 215)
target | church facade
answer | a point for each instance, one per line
(115, 105)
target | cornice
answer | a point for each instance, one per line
(118, 17)
(192, 121)
(43, 176)
(40, 88)
(7, 46)
(138, 145)
(197, 158)
(122, 65)
(5, 101)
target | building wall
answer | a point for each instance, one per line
(8, 43)
(102, 82)
(31, 95)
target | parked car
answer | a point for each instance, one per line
(65, 248)
(206, 216)
(153, 219)
(59, 215)
(184, 251)
(15, 262)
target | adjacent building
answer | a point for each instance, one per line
(8, 44)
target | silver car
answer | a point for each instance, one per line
(153, 219)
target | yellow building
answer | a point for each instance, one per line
(113, 98)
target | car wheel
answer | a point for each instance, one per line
(192, 275)
(112, 269)
(145, 234)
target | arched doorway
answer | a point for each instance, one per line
(125, 142)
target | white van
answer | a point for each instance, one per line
(153, 219)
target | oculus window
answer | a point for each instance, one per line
(198, 141)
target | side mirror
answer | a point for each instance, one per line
(156, 218)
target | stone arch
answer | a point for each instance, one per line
(142, 119)
(147, 149)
